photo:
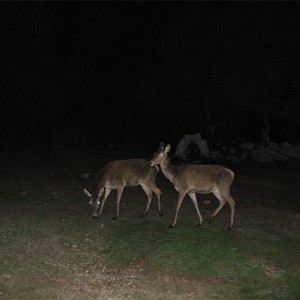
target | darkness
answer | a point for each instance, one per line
(127, 72)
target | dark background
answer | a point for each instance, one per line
(122, 72)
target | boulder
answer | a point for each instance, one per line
(291, 151)
(248, 146)
(191, 139)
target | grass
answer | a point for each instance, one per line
(243, 264)
(50, 248)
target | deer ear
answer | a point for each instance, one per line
(87, 193)
(161, 145)
(168, 148)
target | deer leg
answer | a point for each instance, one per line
(231, 203)
(119, 195)
(106, 193)
(179, 202)
(157, 192)
(194, 200)
(222, 203)
(149, 193)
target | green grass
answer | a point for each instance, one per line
(245, 264)
(238, 264)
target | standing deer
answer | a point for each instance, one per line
(120, 173)
(193, 178)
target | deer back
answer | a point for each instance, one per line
(201, 178)
(129, 172)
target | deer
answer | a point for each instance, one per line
(196, 178)
(117, 175)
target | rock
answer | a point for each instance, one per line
(293, 163)
(235, 158)
(285, 145)
(277, 156)
(85, 176)
(248, 146)
(191, 139)
(273, 146)
(261, 155)
(243, 155)
(215, 154)
(232, 150)
(291, 151)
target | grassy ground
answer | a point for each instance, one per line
(50, 248)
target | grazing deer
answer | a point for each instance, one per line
(120, 173)
(193, 178)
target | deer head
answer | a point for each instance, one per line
(94, 201)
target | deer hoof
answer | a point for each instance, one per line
(94, 217)
(211, 220)
(200, 225)
(160, 214)
(229, 227)
(115, 218)
(171, 226)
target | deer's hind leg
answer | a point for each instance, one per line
(222, 203)
(231, 203)
(223, 198)
(157, 192)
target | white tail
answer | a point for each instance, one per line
(194, 178)
(120, 173)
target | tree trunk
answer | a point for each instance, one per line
(265, 130)
(265, 134)
(211, 128)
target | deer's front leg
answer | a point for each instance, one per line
(194, 200)
(106, 194)
(119, 195)
(179, 202)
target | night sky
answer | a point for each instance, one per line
(125, 72)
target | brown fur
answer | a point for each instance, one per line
(121, 173)
(193, 178)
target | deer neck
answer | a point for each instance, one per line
(97, 187)
(168, 169)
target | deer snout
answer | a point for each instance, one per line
(151, 164)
